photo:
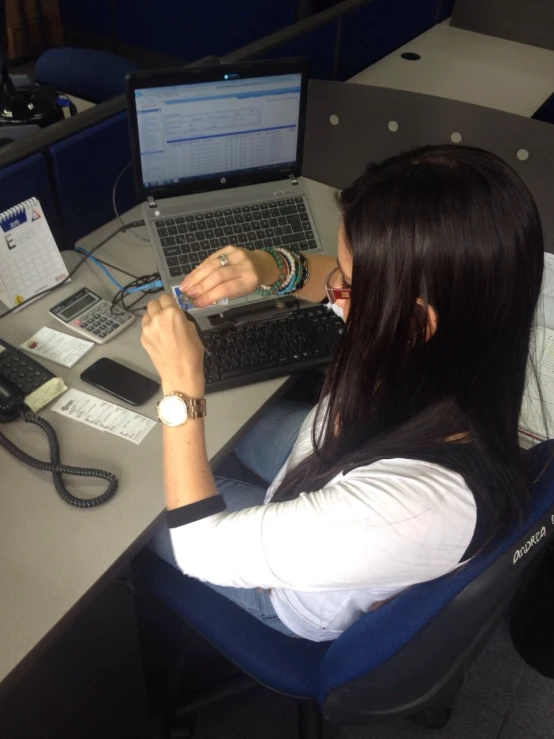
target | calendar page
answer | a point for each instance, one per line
(30, 261)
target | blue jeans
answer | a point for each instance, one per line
(264, 450)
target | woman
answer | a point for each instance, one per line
(410, 463)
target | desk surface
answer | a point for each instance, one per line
(470, 67)
(52, 554)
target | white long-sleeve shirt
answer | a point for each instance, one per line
(327, 556)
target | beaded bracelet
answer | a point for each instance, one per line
(267, 290)
(294, 272)
(287, 287)
(301, 272)
(295, 277)
(305, 272)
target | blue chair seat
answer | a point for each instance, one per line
(452, 615)
(92, 75)
(281, 662)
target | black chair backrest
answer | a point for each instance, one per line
(459, 612)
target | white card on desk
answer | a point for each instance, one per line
(59, 347)
(104, 416)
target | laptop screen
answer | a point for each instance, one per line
(218, 129)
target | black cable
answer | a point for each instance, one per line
(57, 469)
(119, 298)
(116, 183)
(142, 307)
(70, 275)
(119, 269)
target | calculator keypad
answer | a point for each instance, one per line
(101, 321)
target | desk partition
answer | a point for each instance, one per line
(387, 25)
(349, 36)
(96, 17)
(529, 22)
(349, 125)
(85, 168)
(26, 179)
(182, 29)
(318, 44)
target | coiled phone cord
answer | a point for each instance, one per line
(57, 469)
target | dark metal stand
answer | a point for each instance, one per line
(310, 721)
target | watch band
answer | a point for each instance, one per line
(197, 406)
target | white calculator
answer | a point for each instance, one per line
(91, 316)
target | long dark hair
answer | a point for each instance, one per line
(456, 227)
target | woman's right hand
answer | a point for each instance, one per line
(245, 271)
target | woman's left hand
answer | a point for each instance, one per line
(174, 347)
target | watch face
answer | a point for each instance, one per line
(172, 410)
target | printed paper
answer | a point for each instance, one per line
(104, 416)
(58, 347)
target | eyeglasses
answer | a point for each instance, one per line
(335, 288)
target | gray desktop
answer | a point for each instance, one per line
(56, 560)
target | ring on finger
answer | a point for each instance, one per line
(224, 260)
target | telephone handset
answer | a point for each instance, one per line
(20, 375)
(12, 400)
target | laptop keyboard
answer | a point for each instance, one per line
(240, 355)
(188, 240)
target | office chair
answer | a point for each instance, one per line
(92, 75)
(404, 659)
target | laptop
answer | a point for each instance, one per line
(217, 156)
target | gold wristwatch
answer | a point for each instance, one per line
(175, 409)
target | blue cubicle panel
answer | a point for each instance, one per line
(88, 16)
(86, 166)
(444, 9)
(190, 30)
(375, 30)
(27, 179)
(317, 45)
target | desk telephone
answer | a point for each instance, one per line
(19, 376)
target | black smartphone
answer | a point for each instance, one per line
(124, 383)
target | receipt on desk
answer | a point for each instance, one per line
(104, 416)
(62, 348)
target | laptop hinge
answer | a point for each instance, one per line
(151, 202)
(293, 180)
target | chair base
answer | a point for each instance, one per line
(432, 718)
(183, 732)
(310, 721)
(437, 714)
(180, 724)
(203, 699)
(181, 719)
